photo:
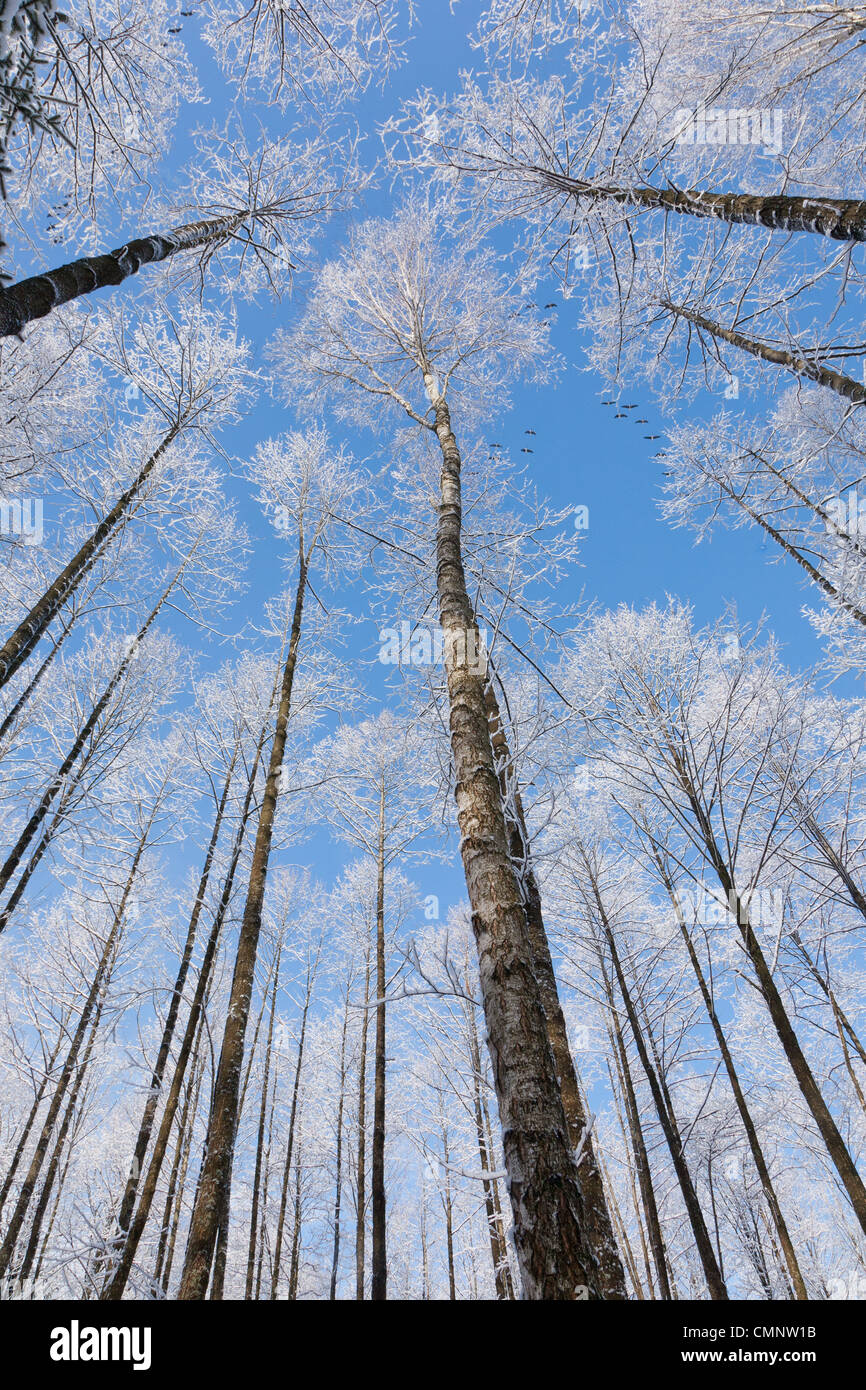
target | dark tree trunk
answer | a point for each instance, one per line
(338, 1176)
(116, 1283)
(712, 1273)
(599, 1227)
(379, 1274)
(26, 636)
(263, 1112)
(215, 1183)
(549, 1219)
(841, 219)
(35, 297)
(780, 357)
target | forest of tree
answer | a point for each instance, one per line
(384, 914)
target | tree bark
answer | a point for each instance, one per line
(361, 1213)
(600, 1233)
(810, 1090)
(840, 219)
(379, 1273)
(263, 1109)
(148, 1117)
(498, 1249)
(793, 362)
(712, 1273)
(116, 1283)
(290, 1144)
(338, 1176)
(38, 1158)
(215, 1182)
(547, 1202)
(17, 853)
(19, 646)
(745, 1114)
(35, 297)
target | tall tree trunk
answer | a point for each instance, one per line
(338, 1175)
(638, 1143)
(35, 297)
(809, 1088)
(709, 1264)
(216, 1176)
(32, 685)
(186, 1150)
(53, 1168)
(180, 1159)
(290, 1143)
(498, 1250)
(361, 1213)
(547, 1202)
(145, 1128)
(745, 1114)
(600, 1233)
(263, 1109)
(23, 1138)
(379, 1274)
(44, 842)
(780, 357)
(58, 782)
(295, 1266)
(117, 1280)
(448, 1207)
(23, 641)
(840, 219)
(81, 1030)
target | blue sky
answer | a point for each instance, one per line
(582, 454)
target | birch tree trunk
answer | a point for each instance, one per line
(599, 1227)
(263, 1108)
(338, 1176)
(21, 1146)
(215, 1183)
(290, 1144)
(361, 1213)
(148, 1117)
(712, 1273)
(811, 1091)
(24, 639)
(639, 1150)
(549, 1219)
(496, 1235)
(840, 219)
(755, 1148)
(58, 782)
(81, 1030)
(379, 1274)
(35, 297)
(793, 362)
(116, 1282)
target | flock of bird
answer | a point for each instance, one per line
(639, 420)
(621, 413)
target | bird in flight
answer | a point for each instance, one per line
(527, 451)
(529, 431)
(652, 436)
